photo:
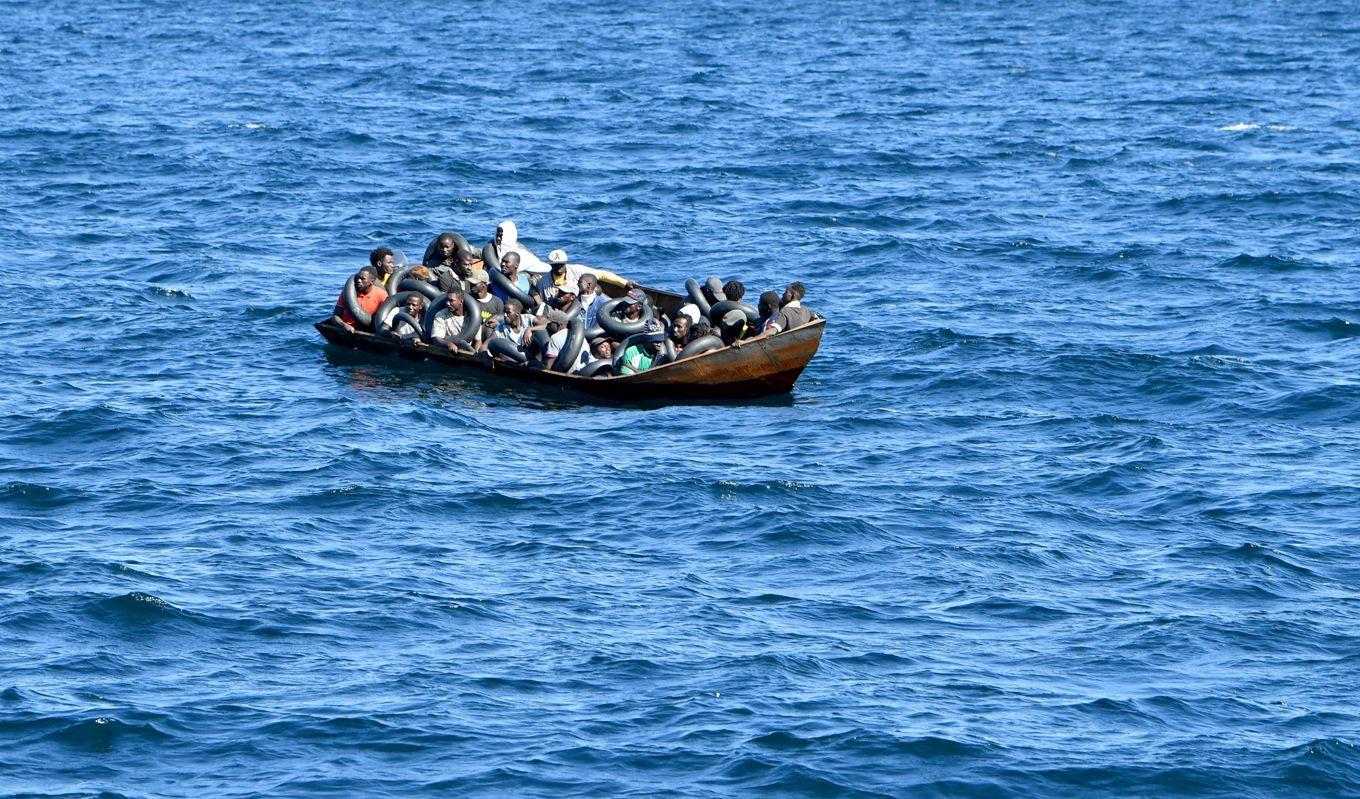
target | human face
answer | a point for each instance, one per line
(512, 316)
(479, 290)
(500, 234)
(604, 349)
(456, 304)
(413, 307)
(509, 266)
(586, 284)
(680, 327)
(445, 249)
(362, 282)
(387, 264)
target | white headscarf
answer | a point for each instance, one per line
(528, 262)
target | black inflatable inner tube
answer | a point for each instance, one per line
(667, 353)
(720, 309)
(574, 311)
(538, 344)
(571, 348)
(491, 258)
(392, 301)
(617, 327)
(699, 346)
(402, 316)
(593, 333)
(350, 297)
(696, 296)
(597, 367)
(472, 317)
(499, 278)
(430, 291)
(507, 349)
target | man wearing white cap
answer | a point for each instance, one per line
(562, 274)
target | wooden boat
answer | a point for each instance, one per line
(761, 368)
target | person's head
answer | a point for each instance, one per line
(363, 279)
(480, 281)
(462, 264)
(556, 321)
(733, 326)
(587, 284)
(632, 310)
(769, 303)
(455, 302)
(602, 348)
(794, 292)
(506, 234)
(421, 272)
(679, 328)
(414, 305)
(382, 260)
(513, 309)
(702, 328)
(510, 264)
(444, 246)
(565, 296)
(734, 290)
(652, 335)
(557, 259)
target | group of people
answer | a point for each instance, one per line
(530, 307)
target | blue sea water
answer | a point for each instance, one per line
(1065, 506)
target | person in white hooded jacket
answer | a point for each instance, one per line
(507, 240)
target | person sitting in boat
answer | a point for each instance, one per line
(558, 331)
(514, 325)
(449, 278)
(562, 273)
(448, 323)
(790, 313)
(492, 306)
(507, 241)
(768, 307)
(383, 262)
(369, 294)
(510, 268)
(591, 298)
(640, 356)
(679, 331)
(414, 307)
(602, 348)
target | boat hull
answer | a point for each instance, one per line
(766, 367)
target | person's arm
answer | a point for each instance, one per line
(606, 276)
(337, 315)
(771, 328)
(629, 364)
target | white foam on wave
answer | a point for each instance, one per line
(1239, 126)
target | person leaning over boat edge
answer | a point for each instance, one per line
(369, 294)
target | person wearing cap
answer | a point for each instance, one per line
(561, 273)
(641, 355)
(492, 306)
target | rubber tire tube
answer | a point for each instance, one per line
(512, 291)
(489, 259)
(538, 344)
(574, 311)
(593, 333)
(699, 346)
(696, 296)
(720, 309)
(571, 348)
(472, 317)
(430, 290)
(595, 367)
(506, 348)
(351, 300)
(617, 327)
(392, 301)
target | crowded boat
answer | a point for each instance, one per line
(505, 304)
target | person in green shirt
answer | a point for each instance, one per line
(644, 351)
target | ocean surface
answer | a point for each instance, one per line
(1066, 505)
